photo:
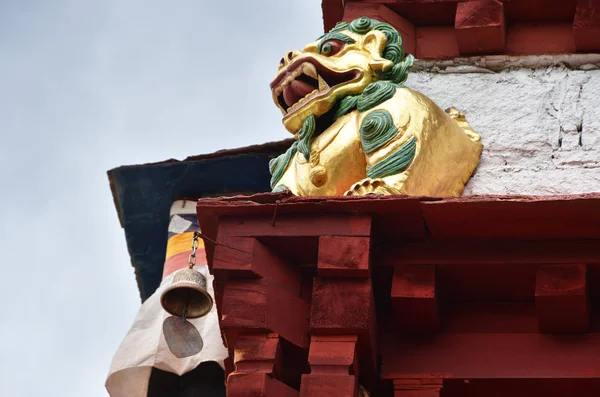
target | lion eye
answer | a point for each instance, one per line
(331, 47)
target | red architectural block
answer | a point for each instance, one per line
(480, 27)
(546, 38)
(586, 26)
(436, 42)
(245, 305)
(333, 354)
(382, 13)
(243, 257)
(256, 358)
(259, 305)
(341, 306)
(561, 298)
(344, 256)
(334, 370)
(414, 300)
(255, 353)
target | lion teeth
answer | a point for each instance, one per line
(278, 91)
(310, 70)
(322, 84)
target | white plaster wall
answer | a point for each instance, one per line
(540, 127)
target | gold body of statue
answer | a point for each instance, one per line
(359, 130)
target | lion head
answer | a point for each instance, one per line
(340, 64)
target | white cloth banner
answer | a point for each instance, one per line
(145, 346)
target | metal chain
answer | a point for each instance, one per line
(195, 245)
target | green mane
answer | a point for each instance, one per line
(393, 50)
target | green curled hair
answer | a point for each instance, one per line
(393, 50)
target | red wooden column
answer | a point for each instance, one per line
(561, 298)
(414, 299)
(342, 320)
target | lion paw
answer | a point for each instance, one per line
(371, 186)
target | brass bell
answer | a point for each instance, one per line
(187, 296)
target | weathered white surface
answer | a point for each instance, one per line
(540, 127)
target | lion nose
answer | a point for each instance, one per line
(289, 57)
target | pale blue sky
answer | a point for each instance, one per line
(86, 86)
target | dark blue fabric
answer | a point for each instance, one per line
(145, 193)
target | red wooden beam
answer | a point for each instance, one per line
(532, 218)
(414, 300)
(586, 26)
(382, 13)
(490, 355)
(480, 27)
(344, 256)
(507, 218)
(295, 226)
(561, 298)
(486, 252)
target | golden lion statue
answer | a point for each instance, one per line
(358, 129)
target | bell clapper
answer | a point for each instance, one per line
(185, 307)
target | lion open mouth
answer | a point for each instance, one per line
(305, 80)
